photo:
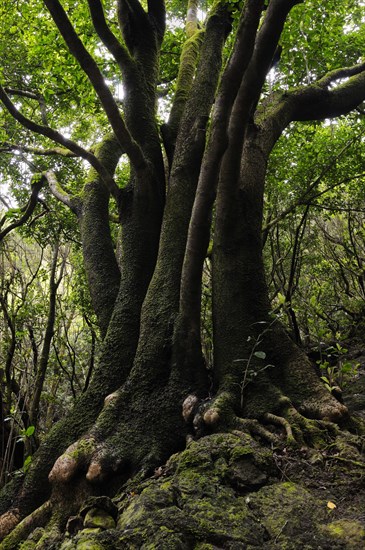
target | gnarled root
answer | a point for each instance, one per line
(122, 442)
(218, 415)
(280, 422)
(8, 522)
(21, 531)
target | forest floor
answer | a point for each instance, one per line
(230, 491)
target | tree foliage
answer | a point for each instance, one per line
(205, 160)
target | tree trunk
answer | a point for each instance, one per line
(256, 363)
(151, 376)
(54, 283)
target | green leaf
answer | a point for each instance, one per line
(260, 354)
(30, 431)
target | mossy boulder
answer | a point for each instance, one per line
(350, 533)
(98, 518)
(224, 492)
(197, 502)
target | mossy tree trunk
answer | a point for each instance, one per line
(148, 303)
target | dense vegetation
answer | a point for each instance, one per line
(182, 223)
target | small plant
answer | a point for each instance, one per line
(251, 368)
(337, 375)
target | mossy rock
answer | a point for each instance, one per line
(221, 493)
(102, 503)
(197, 503)
(349, 532)
(287, 511)
(98, 518)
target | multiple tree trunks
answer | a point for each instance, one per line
(148, 301)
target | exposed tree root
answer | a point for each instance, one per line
(8, 521)
(38, 518)
(280, 422)
(134, 432)
(72, 460)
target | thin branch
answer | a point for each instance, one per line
(58, 191)
(337, 74)
(320, 101)
(306, 196)
(37, 184)
(31, 95)
(22, 93)
(8, 147)
(54, 135)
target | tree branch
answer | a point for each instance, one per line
(200, 223)
(317, 102)
(31, 95)
(307, 195)
(8, 147)
(59, 138)
(337, 74)
(36, 184)
(157, 13)
(58, 191)
(91, 69)
(110, 41)
(187, 67)
(131, 17)
(22, 93)
(266, 43)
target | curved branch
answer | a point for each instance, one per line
(31, 95)
(337, 74)
(91, 69)
(22, 93)
(7, 147)
(37, 184)
(313, 102)
(58, 191)
(59, 138)
(110, 41)
(317, 101)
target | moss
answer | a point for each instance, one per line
(27, 545)
(89, 545)
(204, 501)
(99, 518)
(84, 447)
(241, 451)
(197, 503)
(68, 545)
(287, 510)
(350, 532)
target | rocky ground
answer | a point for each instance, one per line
(228, 491)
